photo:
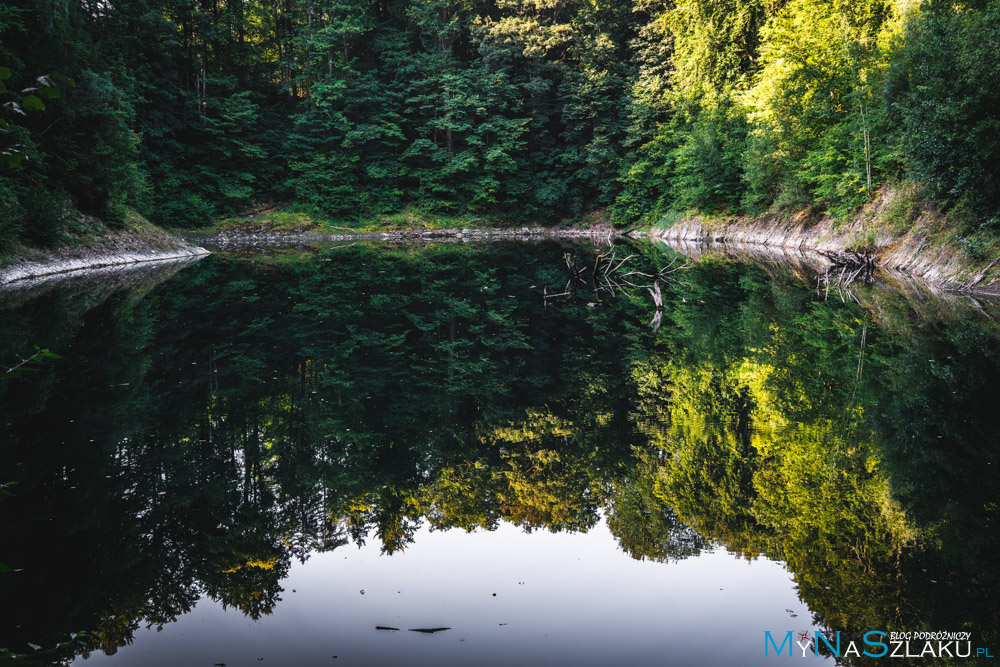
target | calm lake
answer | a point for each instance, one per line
(306, 456)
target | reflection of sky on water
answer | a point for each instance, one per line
(582, 602)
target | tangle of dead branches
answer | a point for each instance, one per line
(610, 275)
(846, 268)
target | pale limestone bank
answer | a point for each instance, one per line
(923, 249)
(115, 250)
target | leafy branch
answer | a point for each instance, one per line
(39, 354)
(27, 100)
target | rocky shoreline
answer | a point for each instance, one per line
(91, 259)
(941, 266)
(240, 238)
(914, 253)
(122, 250)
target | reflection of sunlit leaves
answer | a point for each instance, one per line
(643, 524)
(462, 496)
(441, 401)
(535, 426)
(253, 588)
(115, 631)
(393, 514)
(760, 454)
(254, 562)
(546, 489)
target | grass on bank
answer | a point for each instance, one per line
(273, 220)
(277, 221)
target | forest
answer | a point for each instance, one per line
(539, 111)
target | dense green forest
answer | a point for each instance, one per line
(523, 110)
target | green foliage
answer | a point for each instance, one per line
(708, 170)
(983, 242)
(978, 245)
(693, 156)
(77, 148)
(14, 105)
(818, 121)
(96, 156)
(645, 184)
(944, 92)
(469, 146)
(716, 43)
(534, 112)
(694, 162)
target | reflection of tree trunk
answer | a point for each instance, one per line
(656, 321)
(658, 302)
(657, 295)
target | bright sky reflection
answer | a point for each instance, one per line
(582, 602)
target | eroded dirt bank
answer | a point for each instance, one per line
(924, 249)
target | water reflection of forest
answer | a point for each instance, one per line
(200, 433)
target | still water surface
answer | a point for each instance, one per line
(260, 459)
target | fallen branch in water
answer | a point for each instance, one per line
(846, 268)
(428, 631)
(39, 354)
(609, 274)
(967, 287)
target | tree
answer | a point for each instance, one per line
(943, 91)
(815, 105)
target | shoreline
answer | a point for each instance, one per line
(918, 252)
(912, 254)
(176, 246)
(26, 271)
(455, 234)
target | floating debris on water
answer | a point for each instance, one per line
(428, 631)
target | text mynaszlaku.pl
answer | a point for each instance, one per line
(877, 644)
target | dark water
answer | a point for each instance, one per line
(259, 460)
